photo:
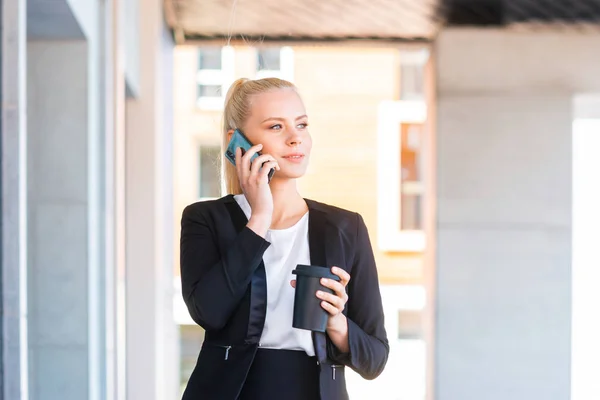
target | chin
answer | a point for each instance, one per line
(289, 174)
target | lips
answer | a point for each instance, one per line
(294, 157)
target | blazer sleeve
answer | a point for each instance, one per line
(213, 284)
(367, 339)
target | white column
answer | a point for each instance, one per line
(152, 370)
(585, 362)
(114, 197)
(13, 264)
(504, 129)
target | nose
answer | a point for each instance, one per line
(295, 139)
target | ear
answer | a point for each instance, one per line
(230, 134)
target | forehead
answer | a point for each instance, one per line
(277, 103)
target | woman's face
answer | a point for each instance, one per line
(278, 121)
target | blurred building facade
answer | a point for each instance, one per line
(86, 205)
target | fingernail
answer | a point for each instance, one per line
(319, 293)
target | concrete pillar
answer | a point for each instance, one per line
(58, 211)
(504, 163)
(13, 218)
(152, 369)
(66, 231)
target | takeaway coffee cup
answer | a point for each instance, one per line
(308, 313)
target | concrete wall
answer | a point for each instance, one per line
(504, 120)
(52, 20)
(85, 12)
(58, 219)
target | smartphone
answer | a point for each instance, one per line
(238, 139)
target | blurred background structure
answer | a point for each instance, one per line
(466, 133)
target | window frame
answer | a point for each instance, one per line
(390, 236)
(223, 77)
(286, 66)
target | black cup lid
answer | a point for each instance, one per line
(315, 271)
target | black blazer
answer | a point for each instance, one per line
(224, 287)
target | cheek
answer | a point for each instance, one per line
(308, 142)
(269, 148)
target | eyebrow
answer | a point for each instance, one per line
(283, 119)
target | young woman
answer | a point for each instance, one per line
(237, 257)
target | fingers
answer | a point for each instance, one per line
(331, 309)
(293, 283)
(262, 163)
(245, 159)
(339, 292)
(344, 276)
(238, 162)
(256, 170)
(335, 302)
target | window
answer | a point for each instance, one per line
(411, 82)
(411, 176)
(412, 74)
(210, 58)
(215, 74)
(400, 176)
(275, 62)
(269, 59)
(191, 337)
(209, 164)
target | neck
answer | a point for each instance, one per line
(286, 199)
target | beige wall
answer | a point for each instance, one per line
(342, 88)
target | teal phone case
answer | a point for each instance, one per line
(239, 140)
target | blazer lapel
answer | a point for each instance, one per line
(318, 236)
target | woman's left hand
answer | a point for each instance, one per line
(335, 302)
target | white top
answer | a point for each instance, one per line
(288, 248)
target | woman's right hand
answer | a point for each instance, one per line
(254, 182)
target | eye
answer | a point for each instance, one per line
(303, 125)
(276, 127)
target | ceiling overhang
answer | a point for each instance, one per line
(406, 21)
(259, 21)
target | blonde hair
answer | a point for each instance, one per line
(237, 109)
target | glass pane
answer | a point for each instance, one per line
(412, 82)
(410, 212)
(210, 185)
(209, 90)
(410, 324)
(269, 58)
(209, 58)
(411, 184)
(190, 342)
